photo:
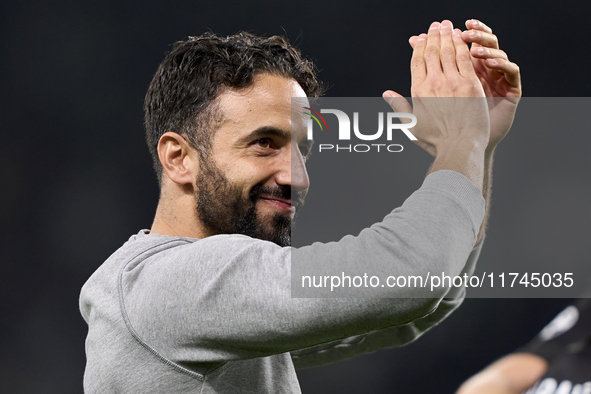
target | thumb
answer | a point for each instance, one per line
(397, 101)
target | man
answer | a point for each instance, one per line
(201, 302)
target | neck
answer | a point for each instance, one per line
(176, 216)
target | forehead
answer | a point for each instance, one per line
(267, 102)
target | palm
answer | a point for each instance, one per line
(502, 100)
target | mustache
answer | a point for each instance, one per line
(283, 192)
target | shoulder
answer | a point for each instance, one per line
(177, 260)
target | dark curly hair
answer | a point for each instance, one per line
(181, 96)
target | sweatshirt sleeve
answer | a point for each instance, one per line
(229, 297)
(394, 336)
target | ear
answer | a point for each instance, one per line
(179, 160)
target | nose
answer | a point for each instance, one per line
(293, 171)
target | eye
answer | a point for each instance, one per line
(263, 142)
(305, 151)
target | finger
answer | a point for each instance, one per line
(485, 39)
(488, 53)
(412, 41)
(510, 69)
(475, 24)
(432, 61)
(418, 70)
(447, 51)
(463, 60)
(397, 101)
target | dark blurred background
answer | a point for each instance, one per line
(77, 180)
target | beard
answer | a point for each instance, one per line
(223, 208)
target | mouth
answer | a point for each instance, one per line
(283, 204)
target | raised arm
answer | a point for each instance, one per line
(454, 128)
(501, 81)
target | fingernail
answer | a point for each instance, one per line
(388, 94)
(475, 22)
(434, 25)
(445, 24)
(481, 51)
(473, 34)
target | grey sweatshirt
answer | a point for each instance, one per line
(215, 315)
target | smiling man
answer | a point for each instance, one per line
(201, 302)
(244, 183)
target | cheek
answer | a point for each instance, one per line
(251, 174)
(242, 183)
